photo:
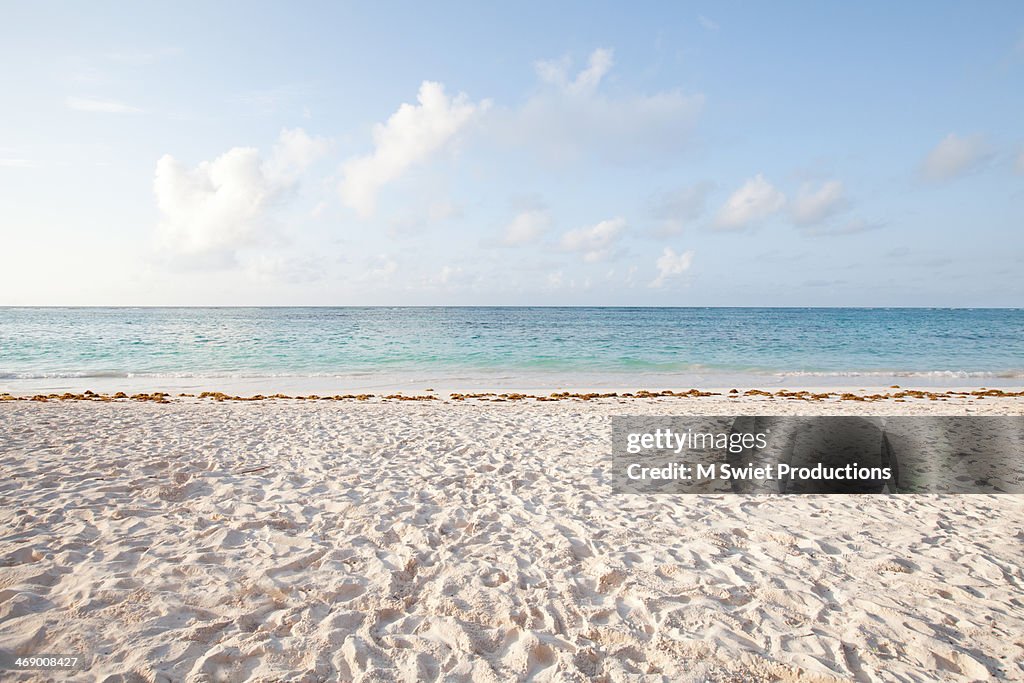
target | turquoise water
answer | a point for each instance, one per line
(506, 347)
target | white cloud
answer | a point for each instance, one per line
(295, 151)
(670, 264)
(594, 242)
(1020, 162)
(813, 206)
(572, 120)
(553, 71)
(954, 156)
(215, 207)
(408, 137)
(754, 201)
(598, 66)
(210, 211)
(93, 104)
(526, 228)
(556, 72)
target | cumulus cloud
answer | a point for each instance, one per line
(215, 207)
(92, 104)
(679, 208)
(210, 211)
(670, 265)
(754, 201)
(812, 206)
(526, 228)
(409, 136)
(571, 118)
(295, 151)
(955, 156)
(594, 242)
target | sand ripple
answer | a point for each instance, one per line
(230, 542)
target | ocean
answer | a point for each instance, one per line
(324, 350)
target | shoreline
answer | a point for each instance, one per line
(508, 382)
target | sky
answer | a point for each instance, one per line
(675, 154)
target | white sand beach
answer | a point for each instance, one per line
(475, 540)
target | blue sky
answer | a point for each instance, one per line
(803, 154)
